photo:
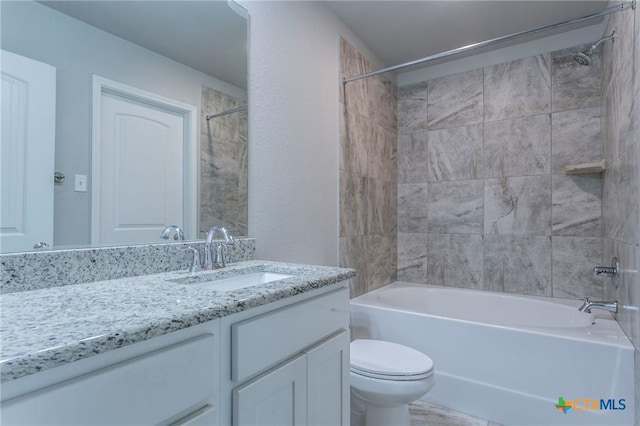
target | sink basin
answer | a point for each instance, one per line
(243, 281)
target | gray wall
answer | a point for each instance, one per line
(620, 212)
(78, 50)
(483, 201)
(368, 184)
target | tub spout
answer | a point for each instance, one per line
(606, 306)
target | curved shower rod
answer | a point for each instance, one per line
(604, 12)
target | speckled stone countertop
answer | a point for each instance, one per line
(45, 328)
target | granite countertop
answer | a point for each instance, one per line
(42, 329)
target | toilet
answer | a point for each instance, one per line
(385, 378)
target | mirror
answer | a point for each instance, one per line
(183, 59)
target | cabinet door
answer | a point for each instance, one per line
(145, 390)
(328, 382)
(277, 398)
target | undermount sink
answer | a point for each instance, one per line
(242, 281)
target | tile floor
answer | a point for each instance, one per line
(426, 414)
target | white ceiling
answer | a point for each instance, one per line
(402, 31)
(205, 35)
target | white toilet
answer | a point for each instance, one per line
(385, 378)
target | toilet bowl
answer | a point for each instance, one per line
(385, 378)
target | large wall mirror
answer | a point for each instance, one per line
(107, 134)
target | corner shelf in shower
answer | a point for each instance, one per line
(584, 168)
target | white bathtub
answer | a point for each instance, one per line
(503, 357)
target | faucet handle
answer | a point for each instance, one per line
(195, 261)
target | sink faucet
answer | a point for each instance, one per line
(218, 261)
(178, 235)
(607, 306)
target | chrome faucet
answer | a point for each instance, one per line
(607, 306)
(178, 235)
(218, 260)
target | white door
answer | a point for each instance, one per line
(328, 397)
(139, 180)
(27, 156)
(277, 398)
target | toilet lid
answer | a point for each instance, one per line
(378, 358)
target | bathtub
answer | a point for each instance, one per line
(507, 358)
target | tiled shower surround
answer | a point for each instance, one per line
(483, 200)
(368, 185)
(620, 207)
(223, 164)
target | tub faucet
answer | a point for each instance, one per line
(607, 306)
(178, 234)
(218, 261)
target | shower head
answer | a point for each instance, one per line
(584, 57)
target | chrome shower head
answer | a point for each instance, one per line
(584, 57)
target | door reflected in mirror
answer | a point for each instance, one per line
(189, 54)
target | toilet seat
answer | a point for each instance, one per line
(389, 361)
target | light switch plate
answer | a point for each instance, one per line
(81, 183)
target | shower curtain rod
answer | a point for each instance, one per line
(604, 12)
(220, 114)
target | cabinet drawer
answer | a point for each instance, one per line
(147, 389)
(261, 342)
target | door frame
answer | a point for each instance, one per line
(101, 86)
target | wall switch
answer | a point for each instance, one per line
(81, 183)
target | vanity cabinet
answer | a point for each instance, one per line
(176, 383)
(285, 362)
(290, 365)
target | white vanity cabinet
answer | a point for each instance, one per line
(172, 379)
(289, 365)
(285, 362)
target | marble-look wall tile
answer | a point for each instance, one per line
(518, 147)
(455, 260)
(412, 257)
(351, 256)
(618, 110)
(455, 153)
(356, 93)
(380, 260)
(518, 205)
(518, 264)
(455, 207)
(455, 100)
(412, 108)
(576, 138)
(381, 207)
(620, 209)
(517, 88)
(382, 154)
(356, 137)
(383, 102)
(573, 261)
(412, 157)
(573, 85)
(368, 175)
(625, 288)
(412, 208)
(577, 205)
(353, 204)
